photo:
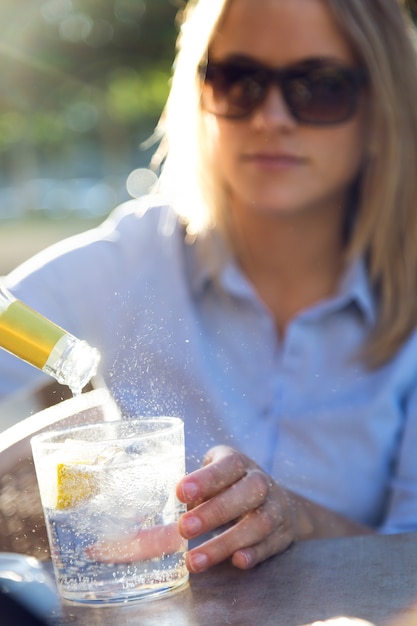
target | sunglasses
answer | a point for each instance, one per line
(316, 92)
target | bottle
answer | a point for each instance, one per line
(35, 339)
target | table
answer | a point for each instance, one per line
(371, 577)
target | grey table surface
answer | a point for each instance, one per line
(372, 578)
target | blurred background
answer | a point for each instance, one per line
(83, 83)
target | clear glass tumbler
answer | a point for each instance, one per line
(108, 495)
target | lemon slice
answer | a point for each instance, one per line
(76, 483)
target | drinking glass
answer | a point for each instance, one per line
(111, 511)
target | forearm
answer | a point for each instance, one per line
(313, 521)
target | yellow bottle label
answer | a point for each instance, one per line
(27, 334)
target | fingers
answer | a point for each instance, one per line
(258, 535)
(274, 543)
(147, 544)
(230, 488)
(245, 495)
(223, 467)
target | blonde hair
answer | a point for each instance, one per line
(385, 230)
(385, 227)
(188, 176)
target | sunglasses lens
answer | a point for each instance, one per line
(232, 91)
(318, 93)
(324, 95)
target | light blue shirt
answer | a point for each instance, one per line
(182, 331)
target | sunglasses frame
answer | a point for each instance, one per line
(281, 77)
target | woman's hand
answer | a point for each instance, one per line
(253, 516)
(230, 488)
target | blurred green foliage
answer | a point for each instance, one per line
(83, 82)
(81, 77)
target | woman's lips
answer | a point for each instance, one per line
(277, 161)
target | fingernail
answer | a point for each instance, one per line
(247, 557)
(190, 491)
(191, 525)
(197, 562)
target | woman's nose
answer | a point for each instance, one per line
(274, 111)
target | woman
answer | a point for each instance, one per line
(275, 307)
(301, 190)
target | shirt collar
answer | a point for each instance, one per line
(207, 256)
(209, 260)
(355, 286)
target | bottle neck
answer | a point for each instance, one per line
(38, 341)
(72, 362)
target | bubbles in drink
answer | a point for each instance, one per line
(112, 516)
